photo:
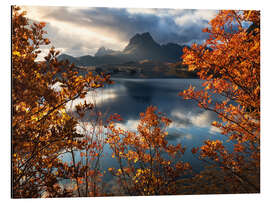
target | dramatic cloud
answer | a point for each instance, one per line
(80, 31)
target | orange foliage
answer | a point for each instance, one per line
(41, 128)
(229, 62)
(87, 168)
(148, 164)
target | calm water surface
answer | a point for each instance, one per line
(128, 97)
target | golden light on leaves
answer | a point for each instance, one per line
(148, 171)
(229, 62)
(41, 128)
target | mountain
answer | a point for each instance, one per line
(172, 52)
(71, 59)
(102, 51)
(140, 47)
(143, 47)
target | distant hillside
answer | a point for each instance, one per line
(140, 47)
(71, 59)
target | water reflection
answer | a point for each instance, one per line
(132, 96)
(129, 97)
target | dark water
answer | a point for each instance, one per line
(128, 97)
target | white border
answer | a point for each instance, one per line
(190, 4)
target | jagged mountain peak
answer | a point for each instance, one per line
(144, 36)
(142, 46)
(102, 51)
(142, 39)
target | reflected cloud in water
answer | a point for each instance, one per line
(138, 94)
(182, 120)
(129, 97)
(98, 97)
(130, 125)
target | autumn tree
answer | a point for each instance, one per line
(148, 165)
(229, 63)
(88, 173)
(42, 130)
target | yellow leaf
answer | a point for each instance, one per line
(214, 123)
(16, 53)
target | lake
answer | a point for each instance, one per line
(190, 125)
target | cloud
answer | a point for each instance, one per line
(177, 136)
(130, 125)
(214, 130)
(80, 31)
(185, 120)
(202, 120)
(96, 97)
(180, 120)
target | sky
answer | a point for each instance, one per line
(83, 30)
